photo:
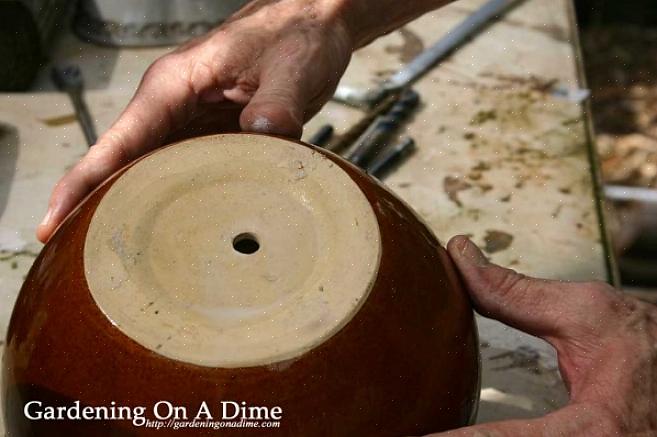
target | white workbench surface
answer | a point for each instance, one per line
(499, 156)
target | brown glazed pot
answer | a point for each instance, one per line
(401, 361)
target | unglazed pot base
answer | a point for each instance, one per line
(232, 251)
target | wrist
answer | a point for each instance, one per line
(365, 20)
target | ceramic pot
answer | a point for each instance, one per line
(238, 271)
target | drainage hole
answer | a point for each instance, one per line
(246, 243)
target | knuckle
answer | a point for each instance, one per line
(600, 296)
(163, 66)
(604, 299)
(201, 75)
(509, 283)
(613, 315)
(227, 68)
(281, 95)
(295, 49)
(170, 59)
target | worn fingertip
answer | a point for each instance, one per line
(456, 244)
(270, 118)
(261, 124)
(466, 253)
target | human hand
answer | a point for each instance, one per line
(268, 69)
(606, 344)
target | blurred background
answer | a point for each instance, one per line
(618, 42)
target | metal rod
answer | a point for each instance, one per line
(627, 194)
(84, 117)
(453, 40)
(69, 80)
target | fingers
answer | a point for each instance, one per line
(99, 163)
(171, 95)
(277, 106)
(212, 119)
(538, 307)
(162, 103)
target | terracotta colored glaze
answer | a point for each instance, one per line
(406, 364)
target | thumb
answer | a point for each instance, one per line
(277, 106)
(535, 306)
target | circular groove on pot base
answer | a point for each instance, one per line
(162, 262)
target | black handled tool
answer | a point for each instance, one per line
(390, 157)
(322, 136)
(379, 133)
(346, 140)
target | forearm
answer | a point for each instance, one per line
(362, 20)
(368, 19)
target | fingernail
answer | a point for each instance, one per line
(472, 253)
(47, 217)
(261, 124)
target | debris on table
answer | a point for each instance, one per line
(495, 241)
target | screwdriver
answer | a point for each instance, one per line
(379, 133)
(69, 80)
